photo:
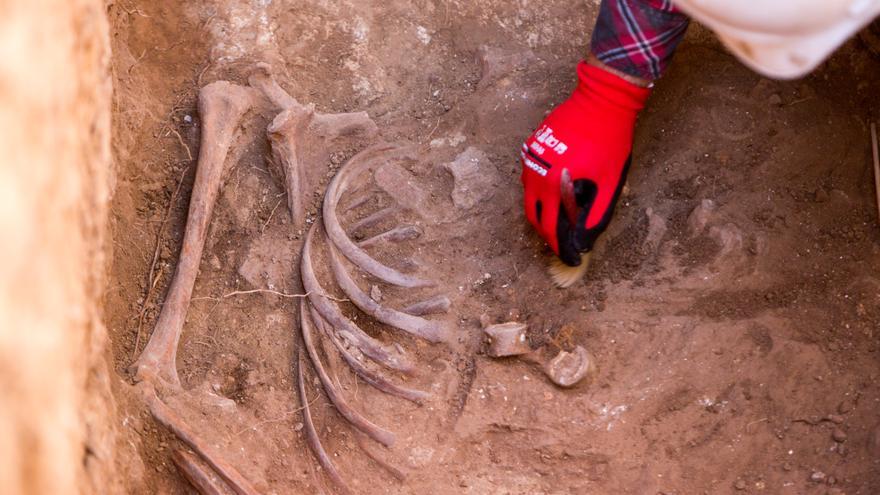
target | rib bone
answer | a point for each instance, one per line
(338, 236)
(436, 304)
(397, 234)
(375, 432)
(371, 347)
(221, 106)
(370, 376)
(312, 434)
(420, 327)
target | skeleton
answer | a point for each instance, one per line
(321, 318)
(222, 106)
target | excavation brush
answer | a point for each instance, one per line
(565, 275)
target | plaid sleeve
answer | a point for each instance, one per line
(638, 37)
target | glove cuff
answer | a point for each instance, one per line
(597, 85)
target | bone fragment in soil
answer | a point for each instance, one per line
(431, 331)
(377, 458)
(567, 369)
(171, 420)
(354, 417)
(372, 377)
(373, 219)
(312, 434)
(221, 106)
(433, 305)
(372, 348)
(205, 482)
(507, 339)
(337, 235)
(397, 234)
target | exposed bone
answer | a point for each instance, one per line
(284, 133)
(375, 432)
(429, 330)
(397, 234)
(359, 201)
(569, 368)
(338, 236)
(507, 339)
(312, 434)
(168, 418)
(387, 466)
(221, 106)
(370, 376)
(190, 468)
(371, 347)
(373, 218)
(436, 304)
(262, 79)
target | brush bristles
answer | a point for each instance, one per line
(565, 276)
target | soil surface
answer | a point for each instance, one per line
(733, 307)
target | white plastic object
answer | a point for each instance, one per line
(782, 38)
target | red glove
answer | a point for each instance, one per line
(589, 135)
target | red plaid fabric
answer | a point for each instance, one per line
(638, 37)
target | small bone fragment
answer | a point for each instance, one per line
(569, 368)
(397, 234)
(284, 133)
(312, 434)
(205, 483)
(263, 80)
(338, 236)
(507, 339)
(375, 432)
(168, 418)
(474, 178)
(375, 350)
(431, 331)
(374, 218)
(372, 377)
(436, 304)
(221, 106)
(376, 293)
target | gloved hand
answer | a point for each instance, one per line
(590, 135)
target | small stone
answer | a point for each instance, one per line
(375, 293)
(831, 481)
(834, 418)
(298, 427)
(845, 406)
(188, 119)
(775, 100)
(817, 477)
(838, 435)
(820, 195)
(786, 466)
(740, 485)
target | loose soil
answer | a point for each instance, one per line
(733, 307)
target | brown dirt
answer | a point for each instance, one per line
(719, 348)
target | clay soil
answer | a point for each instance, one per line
(733, 307)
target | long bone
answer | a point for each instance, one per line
(370, 376)
(221, 107)
(312, 434)
(375, 432)
(168, 418)
(371, 347)
(337, 235)
(431, 331)
(191, 470)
